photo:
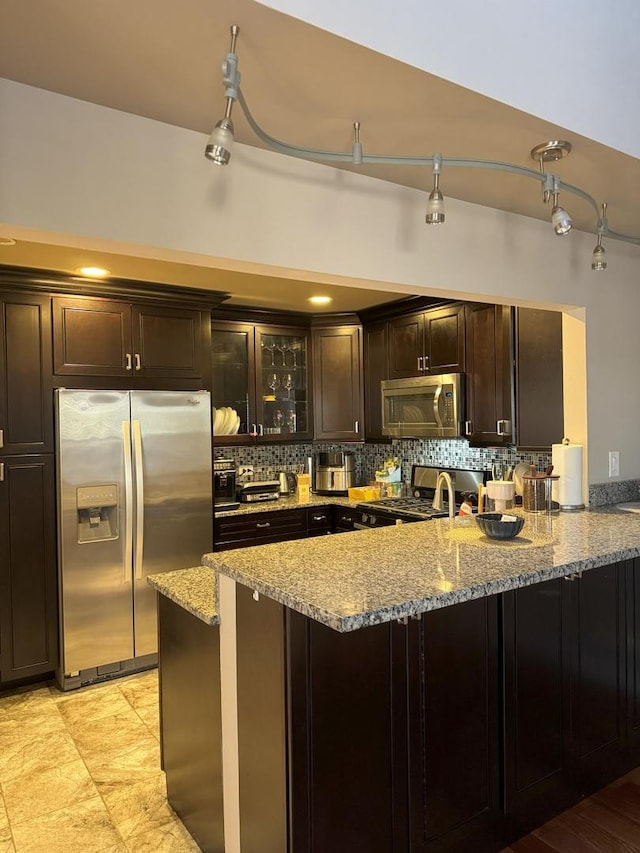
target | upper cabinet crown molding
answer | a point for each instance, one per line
(52, 282)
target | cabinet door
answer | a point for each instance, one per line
(167, 342)
(233, 378)
(375, 370)
(337, 383)
(444, 332)
(489, 375)
(453, 719)
(539, 385)
(599, 677)
(346, 737)
(283, 389)
(28, 600)
(26, 402)
(537, 733)
(406, 346)
(632, 585)
(92, 337)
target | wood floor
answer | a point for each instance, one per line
(607, 822)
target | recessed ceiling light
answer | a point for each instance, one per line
(94, 272)
(320, 300)
(7, 241)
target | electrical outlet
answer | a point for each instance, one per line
(614, 463)
(245, 471)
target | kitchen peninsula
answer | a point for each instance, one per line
(411, 688)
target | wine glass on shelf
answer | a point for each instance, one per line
(272, 382)
(288, 383)
(267, 348)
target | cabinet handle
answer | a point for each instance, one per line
(319, 517)
(138, 364)
(468, 427)
(356, 427)
(1, 472)
(128, 361)
(1, 438)
(263, 524)
(426, 364)
(254, 429)
(260, 429)
(420, 363)
(505, 429)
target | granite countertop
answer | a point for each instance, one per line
(193, 589)
(371, 576)
(292, 502)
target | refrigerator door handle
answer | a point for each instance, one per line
(137, 457)
(128, 501)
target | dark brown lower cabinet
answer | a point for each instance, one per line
(391, 731)
(571, 690)
(537, 726)
(599, 691)
(632, 613)
(190, 717)
(348, 776)
(454, 724)
(460, 730)
(28, 596)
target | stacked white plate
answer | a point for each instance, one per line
(226, 421)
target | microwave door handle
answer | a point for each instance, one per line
(436, 408)
(137, 455)
(128, 501)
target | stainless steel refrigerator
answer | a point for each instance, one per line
(134, 499)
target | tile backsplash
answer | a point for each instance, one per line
(268, 460)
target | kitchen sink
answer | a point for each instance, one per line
(630, 506)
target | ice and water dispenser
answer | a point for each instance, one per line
(97, 511)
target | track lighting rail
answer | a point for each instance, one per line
(218, 150)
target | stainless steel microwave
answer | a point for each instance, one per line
(423, 406)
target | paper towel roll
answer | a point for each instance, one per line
(567, 464)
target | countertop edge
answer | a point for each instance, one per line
(417, 606)
(193, 589)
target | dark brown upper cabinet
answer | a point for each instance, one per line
(489, 375)
(338, 383)
(430, 342)
(106, 337)
(538, 380)
(26, 403)
(376, 368)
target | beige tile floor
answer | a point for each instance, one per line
(80, 772)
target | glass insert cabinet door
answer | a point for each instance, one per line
(282, 392)
(260, 379)
(232, 381)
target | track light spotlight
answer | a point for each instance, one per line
(218, 148)
(598, 258)
(435, 204)
(560, 219)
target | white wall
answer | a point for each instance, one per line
(574, 63)
(78, 169)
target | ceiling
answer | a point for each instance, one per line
(161, 59)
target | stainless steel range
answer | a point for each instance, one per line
(419, 507)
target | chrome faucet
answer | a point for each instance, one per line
(444, 477)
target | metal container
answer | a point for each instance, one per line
(334, 473)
